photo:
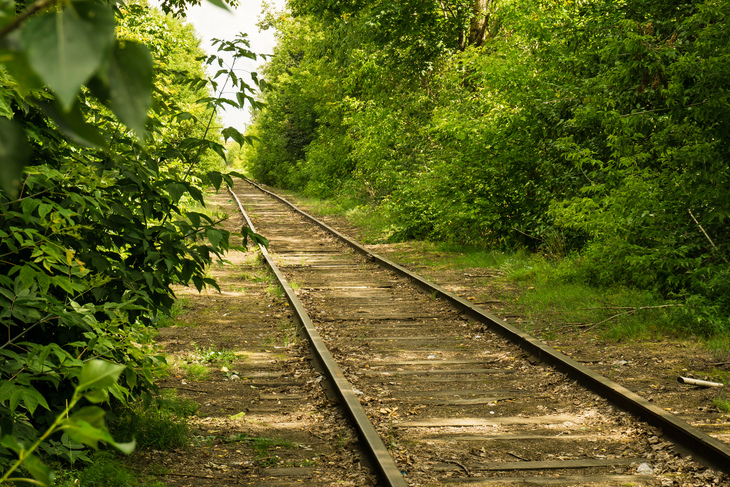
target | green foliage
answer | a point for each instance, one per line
(598, 128)
(108, 471)
(95, 222)
(84, 426)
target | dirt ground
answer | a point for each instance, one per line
(263, 418)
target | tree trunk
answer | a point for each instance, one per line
(479, 23)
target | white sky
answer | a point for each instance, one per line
(212, 22)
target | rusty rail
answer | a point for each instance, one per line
(383, 462)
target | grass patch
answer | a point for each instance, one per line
(106, 469)
(161, 425)
(552, 301)
(262, 449)
(369, 220)
(287, 332)
(178, 308)
(551, 292)
(275, 291)
(195, 365)
(195, 372)
(212, 356)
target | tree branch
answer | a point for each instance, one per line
(17, 21)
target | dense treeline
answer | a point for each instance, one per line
(596, 129)
(108, 137)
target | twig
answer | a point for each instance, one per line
(517, 456)
(526, 234)
(315, 434)
(705, 233)
(15, 23)
(593, 325)
(636, 308)
(466, 470)
(628, 311)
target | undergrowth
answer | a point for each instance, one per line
(160, 425)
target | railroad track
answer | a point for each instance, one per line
(444, 393)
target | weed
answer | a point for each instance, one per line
(261, 447)
(195, 372)
(288, 332)
(107, 471)
(253, 277)
(275, 290)
(722, 404)
(160, 425)
(213, 356)
(340, 440)
(178, 307)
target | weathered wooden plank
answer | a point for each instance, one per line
(282, 397)
(527, 437)
(541, 465)
(567, 480)
(509, 420)
(435, 372)
(288, 471)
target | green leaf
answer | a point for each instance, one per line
(14, 153)
(11, 443)
(220, 4)
(99, 373)
(215, 178)
(32, 398)
(93, 415)
(5, 99)
(130, 82)
(219, 149)
(176, 190)
(39, 470)
(255, 237)
(83, 432)
(66, 47)
(214, 237)
(15, 396)
(127, 448)
(5, 389)
(97, 396)
(16, 62)
(231, 133)
(184, 116)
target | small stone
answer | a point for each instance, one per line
(644, 469)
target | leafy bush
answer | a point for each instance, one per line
(94, 228)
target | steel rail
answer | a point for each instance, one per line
(384, 463)
(702, 446)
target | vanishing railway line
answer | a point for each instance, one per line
(438, 394)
